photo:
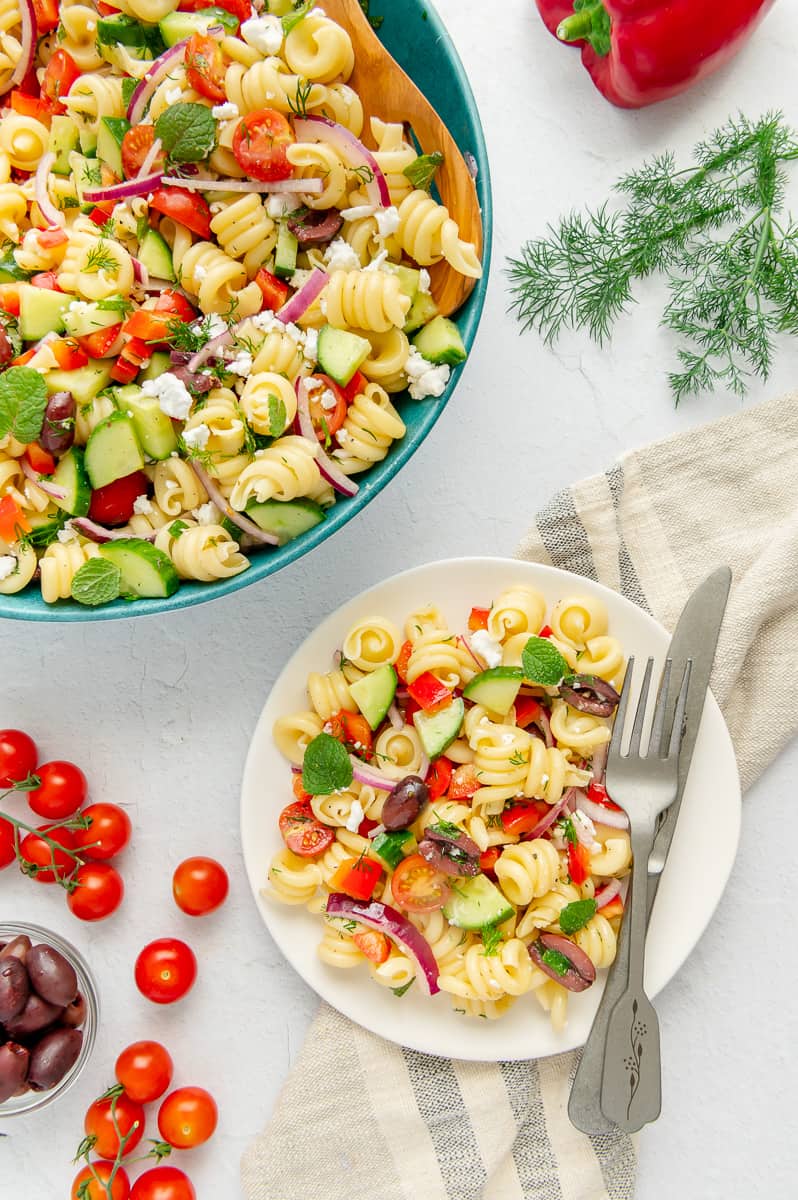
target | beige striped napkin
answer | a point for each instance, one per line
(400, 1125)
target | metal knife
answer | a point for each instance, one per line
(695, 637)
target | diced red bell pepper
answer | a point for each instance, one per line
(597, 792)
(13, 521)
(356, 386)
(465, 781)
(613, 909)
(439, 777)
(100, 214)
(527, 710)
(99, 343)
(21, 359)
(366, 825)
(148, 326)
(357, 877)
(522, 818)
(274, 291)
(428, 692)
(49, 238)
(352, 729)
(546, 631)
(478, 619)
(39, 459)
(46, 16)
(68, 354)
(488, 859)
(132, 358)
(400, 666)
(30, 106)
(373, 944)
(578, 862)
(176, 305)
(411, 708)
(302, 796)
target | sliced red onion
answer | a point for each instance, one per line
(599, 763)
(376, 831)
(301, 301)
(46, 206)
(27, 46)
(607, 894)
(423, 767)
(210, 348)
(322, 129)
(140, 273)
(466, 647)
(598, 814)
(583, 835)
(390, 922)
(151, 79)
(49, 489)
(395, 717)
(244, 523)
(541, 727)
(551, 816)
(124, 190)
(152, 154)
(371, 776)
(99, 533)
(326, 466)
(582, 970)
(283, 187)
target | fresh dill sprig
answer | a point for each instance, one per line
(100, 258)
(299, 103)
(713, 229)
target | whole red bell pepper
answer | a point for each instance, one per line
(640, 51)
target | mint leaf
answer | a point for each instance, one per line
(557, 961)
(277, 416)
(400, 991)
(98, 581)
(300, 11)
(176, 528)
(577, 914)
(187, 132)
(422, 170)
(23, 401)
(491, 940)
(542, 662)
(326, 767)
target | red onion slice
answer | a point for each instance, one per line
(599, 763)
(301, 301)
(372, 776)
(395, 717)
(210, 348)
(600, 815)
(390, 922)
(285, 187)
(243, 523)
(551, 816)
(151, 78)
(28, 32)
(152, 154)
(99, 533)
(48, 209)
(607, 894)
(123, 191)
(331, 473)
(322, 129)
(480, 667)
(376, 831)
(49, 489)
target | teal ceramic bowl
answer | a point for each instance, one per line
(417, 38)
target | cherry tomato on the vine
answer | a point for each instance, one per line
(108, 1114)
(110, 827)
(144, 1070)
(165, 970)
(35, 851)
(163, 1183)
(187, 1117)
(62, 790)
(18, 756)
(199, 886)
(89, 1184)
(98, 893)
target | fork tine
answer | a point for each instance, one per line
(677, 730)
(620, 712)
(640, 715)
(656, 742)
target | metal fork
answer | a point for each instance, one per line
(644, 784)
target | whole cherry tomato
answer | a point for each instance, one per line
(62, 790)
(144, 1070)
(18, 756)
(110, 827)
(35, 851)
(163, 1183)
(96, 1176)
(165, 970)
(108, 1114)
(98, 893)
(200, 885)
(187, 1117)
(7, 854)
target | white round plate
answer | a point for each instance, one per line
(698, 868)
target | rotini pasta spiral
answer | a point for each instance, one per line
(202, 552)
(293, 734)
(222, 417)
(371, 425)
(23, 139)
(544, 911)
(218, 281)
(615, 855)
(598, 940)
(283, 471)
(79, 26)
(319, 50)
(371, 300)
(336, 947)
(399, 752)
(330, 694)
(13, 209)
(58, 566)
(578, 731)
(23, 569)
(440, 652)
(527, 870)
(177, 487)
(292, 879)
(93, 97)
(518, 610)
(267, 398)
(478, 976)
(427, 234)
(386, 363)
(312, 160)
(95, 267)
(577, 619)
(372, 642)
(244, 230)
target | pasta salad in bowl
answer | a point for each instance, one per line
(216, 303)
(435, 842)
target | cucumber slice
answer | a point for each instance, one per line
(374, 693)
(113, 450)
(84, 383)
(109, 142)
(285, 251)
(63, 140)
(146, 571)
(86, 317)
(41, 311)
(70, 475)
(496, 688)
(177, 26)
(422, 310)
(122, 30)
(341, 353)
(440, 342)
(44, 527)
(156, 256)
(86, 173)
(286, 519)
(88, 141)
(476, 902)
(393, 846)
(10, 272)
(439, 729)
(159, 363)
(409, 279)
(154, 429)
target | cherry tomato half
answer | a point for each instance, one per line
(108, 833)
(438, 777)
(99, 343)
(186, 207)
(352, 729)
(18, 755)
(136, 145)
(205, 67)
(373, 944)
(163, 1183)
(99, 892)
(105, 1115)
(35, 851)
(89, 1183)
(144, 1069)
(260, 142)
(60, 74)
(417, 886)
(327, 406)
(302, 833)
(62, 790)
(113, 504)
(199, 886)
(176, 304)
(165, 970)
(187, 1117)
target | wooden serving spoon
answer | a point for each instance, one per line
(387, 92)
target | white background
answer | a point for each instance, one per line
(159, 711)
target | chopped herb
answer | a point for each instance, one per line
(542, 662)
(491, 940)
(23, 402)
(187, 132)
(577, 914)
(326, 767)
(374, 22)
(177, 528)
(445, 828)
(100, 258)
(421, 171)
(98, 581)
(299, 104)
(298, 13)
(400, 991)
(557, 961)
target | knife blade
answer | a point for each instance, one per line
(696, 638)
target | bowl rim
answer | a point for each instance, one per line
(190, 594)
(30, 1101)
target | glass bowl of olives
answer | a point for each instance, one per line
(49, 1011)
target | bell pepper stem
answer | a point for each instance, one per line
(590, 23)
(576, 27)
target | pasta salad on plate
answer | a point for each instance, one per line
(450, 825)
(214, 285)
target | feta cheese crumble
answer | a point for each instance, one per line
(582, 821)
(8, 565)
(279, 206)
(142, 506)
(356, 815)
(173, 95)
(311, 345)
(328, 400)
(241, 364)
(378, 263)
(224, 112)
(264, 34)
(486, 647)
(425, 378)
(359, 211)
(206, 514)
(387, 221)
(172, 395)
(339, 256)
(424, 282)
(197, 438)
(200, 272)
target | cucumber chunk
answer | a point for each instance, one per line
(154, 428)
(177, 26)
(374, 693)
(109, 142)
(393, 846)
(409, 279)
(286, 519)
(476, 902)
(421, 311)
(159, 363)
(86, 317)
(156, 256)
(439, 729)
(64, 137)
(440, 342)
(341, 353)
(70, 475)
(146, 571)
(285, 251)
(495, 689)
(113, 450)
(41, 311)
(84, 382)
(121, 30)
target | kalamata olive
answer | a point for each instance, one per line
(75, 1013)
(590, 694)
(6, 349)
(58, 429)
(18, 947)
(14, 1061)
(37, 1014)
(51, 975)
(52, 1057)
(579, 971)
(404, 803)
(452, 854)
(315, 227)
(14, 988)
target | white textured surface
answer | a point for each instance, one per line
(159, 712)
